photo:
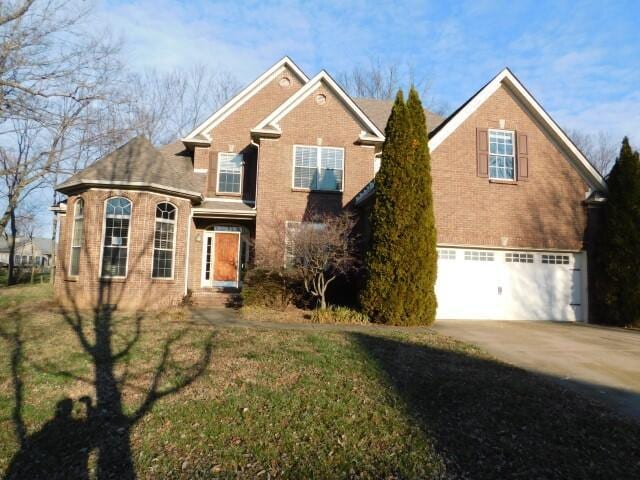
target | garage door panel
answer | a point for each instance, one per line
(509, 290)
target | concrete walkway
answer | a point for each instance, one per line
(603, 363)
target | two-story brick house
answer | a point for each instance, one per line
(143, 226)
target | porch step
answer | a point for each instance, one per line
(228, 297)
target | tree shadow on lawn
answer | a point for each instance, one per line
(491, 420)
(62, 446)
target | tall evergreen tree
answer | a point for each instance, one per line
(401, 262)
(617, 277)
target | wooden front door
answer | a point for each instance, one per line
(225, 267)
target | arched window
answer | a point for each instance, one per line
(164, 241)
(116, 237)
(76, 236)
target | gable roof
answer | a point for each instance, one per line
(269, 126)
(507, 79)
(137, 163)
(379, 112)
(199, 134)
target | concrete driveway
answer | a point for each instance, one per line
(600, 362)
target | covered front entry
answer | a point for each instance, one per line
(475, 284)
(224, 253)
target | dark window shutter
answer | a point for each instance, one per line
(482, 142)
(212, 173)
(522, 160)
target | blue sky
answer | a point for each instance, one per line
(581, 60)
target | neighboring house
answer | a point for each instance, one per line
(144, 225)
(28, 251)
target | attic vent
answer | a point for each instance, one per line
(321, 99)
(285, 82)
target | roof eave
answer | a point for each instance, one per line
(150, 186)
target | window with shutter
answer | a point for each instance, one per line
(502, 156)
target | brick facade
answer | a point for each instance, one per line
(138, 290)
(545, 211)
(307, 124)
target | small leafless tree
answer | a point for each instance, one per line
(321, 249)
(599, 148)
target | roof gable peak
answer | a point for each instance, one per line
(506, 78)
(200, 136)
(269, 125)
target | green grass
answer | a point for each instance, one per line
(368, 403)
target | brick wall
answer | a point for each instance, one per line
(233, 134)
(329, 124)
(138, 290)
(546, 211)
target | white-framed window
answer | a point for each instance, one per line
(516, 257)
(555, 259)
(115, 249)
(502, 157)
(478, 256)
(229, 173)
(76, 237)
(318, 168)
(446, 254)
(164, 241)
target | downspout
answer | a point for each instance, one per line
(257, 145)
(255, 204)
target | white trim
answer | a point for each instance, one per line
(317, 147)
(220, 211)
(238, 100)
(212, 283)
(507, 79)
(73, 234)
(229, 200)
(104, 233)
(514, 155)
(271, 122)
(200, 170)
(156, 186)
(220, 154)
(203, 266)
(173, 222)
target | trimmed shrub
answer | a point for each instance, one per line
(338, 315)
(276, 289)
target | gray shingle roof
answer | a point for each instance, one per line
(379, 110)
(239, 207)
(137, 162)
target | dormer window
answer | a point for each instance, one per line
(502, 159)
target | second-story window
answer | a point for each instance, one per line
(502, 157)
(318, 168)
(229, 173)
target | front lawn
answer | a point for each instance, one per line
(171, 396)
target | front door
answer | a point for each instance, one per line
(225, 267)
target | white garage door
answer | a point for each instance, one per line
(509, 285)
